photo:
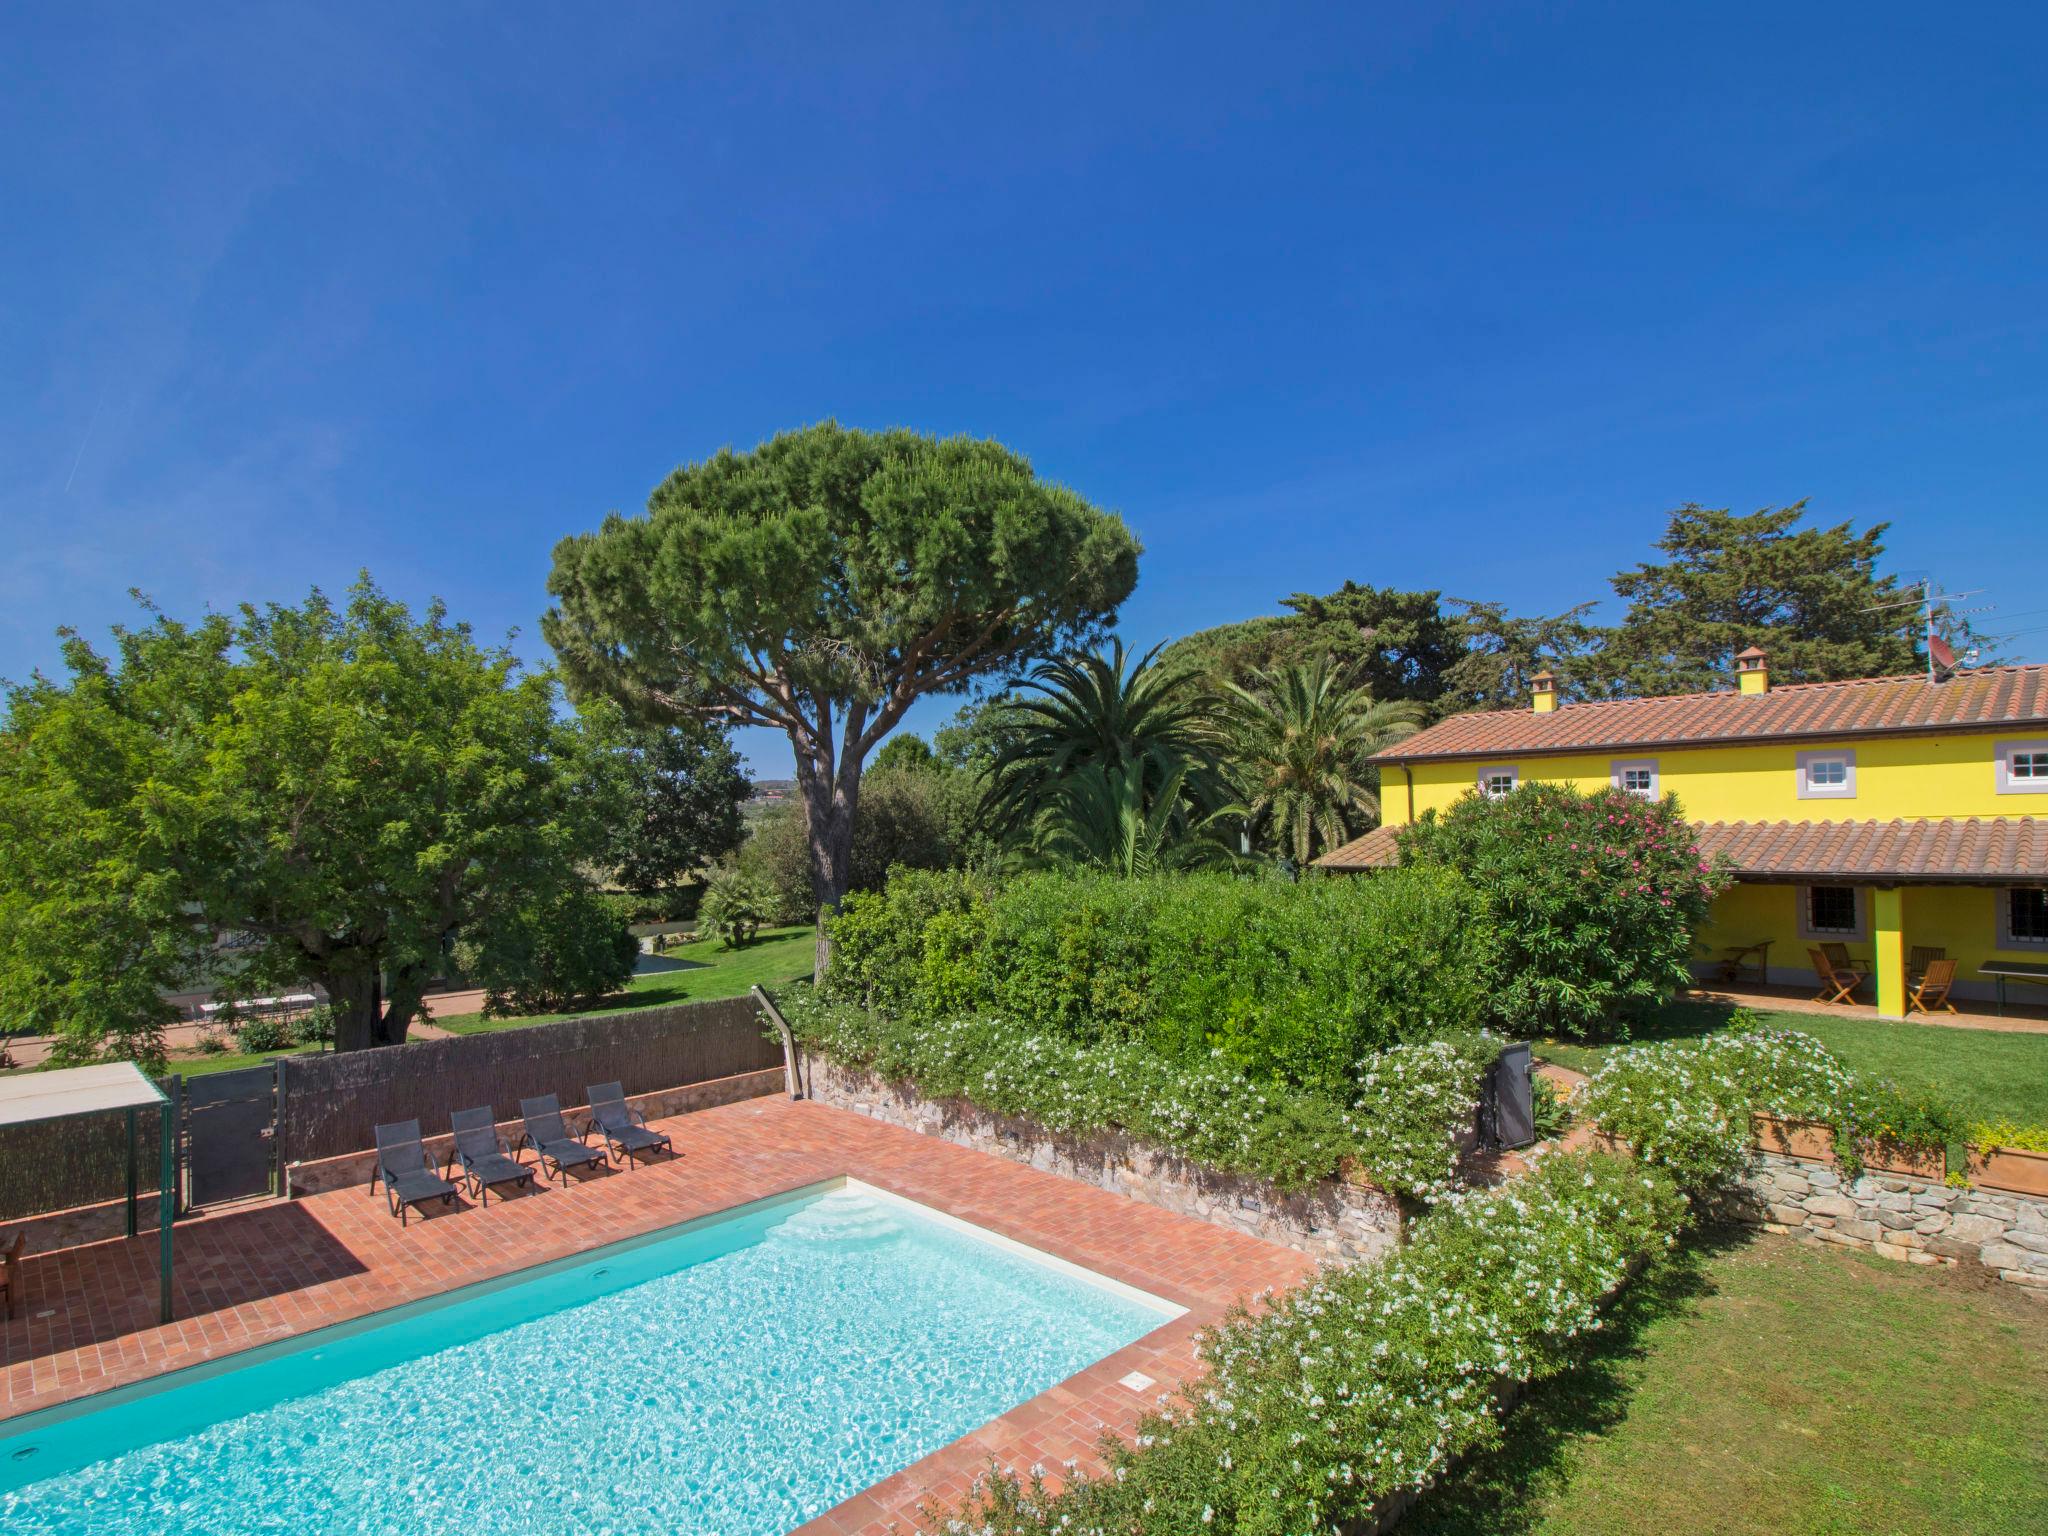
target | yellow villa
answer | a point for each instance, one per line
(1894, 817)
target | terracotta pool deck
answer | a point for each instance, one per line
(270, 1271)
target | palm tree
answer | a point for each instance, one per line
(1300, 739)
(1112, 819)
(1146, 728)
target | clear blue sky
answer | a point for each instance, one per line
(1459, 297)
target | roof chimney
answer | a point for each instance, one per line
(1751, 675)
(1543, 691)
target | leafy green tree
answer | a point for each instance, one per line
(974, 738)
(1503, 651)
(548, 953)
(1144, 725)
(918, 818)
(823, 583)
(777, 857)
(1445, 654)
(904, 753)
(1812, 597)
(1232, 652)
(1398, 645)
(94, 924)
(910, 818)
(1300, 738)
(682, 789)
(292, 794)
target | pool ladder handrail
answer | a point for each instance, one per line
(792, 1073)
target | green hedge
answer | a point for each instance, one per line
(1285, 981)
(1371, 1381)
(1400, 1124)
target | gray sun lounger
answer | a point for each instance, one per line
(409, 1179)
(485, 1156)
(624, 1128)
(549, 1137)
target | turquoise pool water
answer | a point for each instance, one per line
(736, 1377)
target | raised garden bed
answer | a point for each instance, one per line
(2008, 1168)
(1807, 1140)
(1907, 1160)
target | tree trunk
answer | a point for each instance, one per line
(401, 1002)
(828, 821)
(362, 1018)
(357, 999)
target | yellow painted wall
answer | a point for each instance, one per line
(1963, 920)
(1907, 777)
(1897, 778)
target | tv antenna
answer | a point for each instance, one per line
(1941, 656)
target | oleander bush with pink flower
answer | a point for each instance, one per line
(1594, 900)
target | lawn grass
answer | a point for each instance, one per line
(1760, 1385)
(777, 957)
(1988, 1074)
(230, 1061)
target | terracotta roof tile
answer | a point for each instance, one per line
(2000, 848)
(1996, 849)
(1375, 850)
(1981, 698)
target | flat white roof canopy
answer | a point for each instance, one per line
(38, 1096)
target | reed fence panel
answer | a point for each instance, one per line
(332, 1101)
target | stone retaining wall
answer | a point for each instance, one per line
(1336, 1221)
(1916, 1221)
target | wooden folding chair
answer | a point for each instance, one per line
(1838, 983)
(1931, 992)
(1920, 957)
(1838, 956)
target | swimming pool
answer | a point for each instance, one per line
(737, 1375)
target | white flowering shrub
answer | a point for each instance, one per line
(1687, 1105)
(1372, 1380)
(1402, 1129)
(1413, 1104)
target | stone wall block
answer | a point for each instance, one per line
(1973, 1228)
